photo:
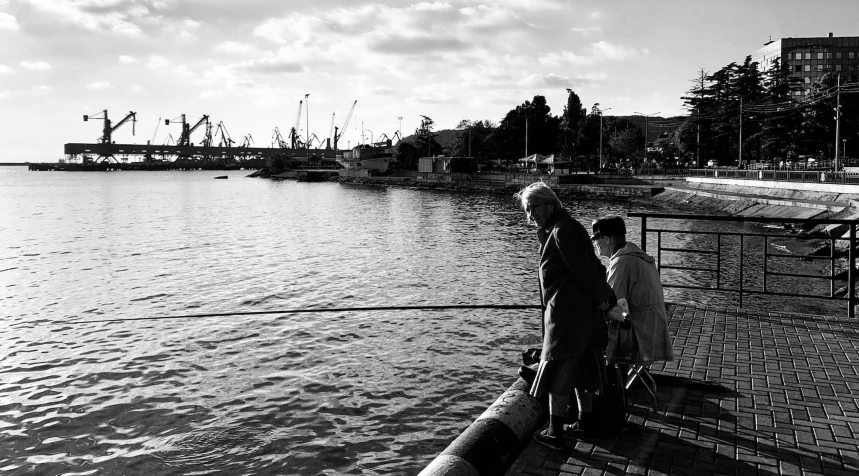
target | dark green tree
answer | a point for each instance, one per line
(571, 123)
(541, 127)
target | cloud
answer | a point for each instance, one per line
(115, 16)
(596, 52)
(99, 85)
(125, 59)
(566, 58)
(234, 47)
(433, 100)
(35, 65)
(613, 52)
(271, 65)
(5, 69)
(586, 30)
(4, 94)
(156, 61)
(417, 45)
(553, 80)
(8, 22)
(43, 89)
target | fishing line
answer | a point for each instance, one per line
(302, 311)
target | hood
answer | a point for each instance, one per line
(631, 249)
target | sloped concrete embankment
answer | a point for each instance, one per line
(492, 442)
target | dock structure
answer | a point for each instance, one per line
(750, 392)
(111, 156)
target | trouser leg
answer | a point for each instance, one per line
(557, 412)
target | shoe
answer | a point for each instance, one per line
(528, 374)
(555, 442)
(576, 431)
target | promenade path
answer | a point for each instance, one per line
(749, 393)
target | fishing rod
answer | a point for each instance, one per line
(302, 311)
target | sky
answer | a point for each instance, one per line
(248, 63)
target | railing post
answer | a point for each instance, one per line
(851, 263)
(644, 235)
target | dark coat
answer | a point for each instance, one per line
(572, 286)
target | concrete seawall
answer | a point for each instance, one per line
(494, 440)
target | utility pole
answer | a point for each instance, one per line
(526, 137)
(645, 129)
(698, 135)
(740, 162)
(837, 120)
(469, 139)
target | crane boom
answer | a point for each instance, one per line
(107, 129)
(345, 123)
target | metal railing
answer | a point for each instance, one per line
(719, 252)
(804, 176)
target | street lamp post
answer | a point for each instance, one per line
(307, 143)
(371, 136)
(400, 130)
(601, 111)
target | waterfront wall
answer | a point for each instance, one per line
(495, 439)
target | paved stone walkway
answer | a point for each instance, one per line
(749, 393)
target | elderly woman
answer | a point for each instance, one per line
(573, 291)
(633, 276)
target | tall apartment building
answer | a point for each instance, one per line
(810, 58)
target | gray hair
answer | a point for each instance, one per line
(538, 191)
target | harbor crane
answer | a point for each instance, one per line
(247, 141)
(277, 139)
(108, 130)
(225, 136)
(185, 137)
(342, 128)
(293, 134)
(330, 132)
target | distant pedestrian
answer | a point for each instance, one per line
(633, 276)
(573, 293)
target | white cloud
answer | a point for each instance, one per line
(566, 58)
(98, 16)
(587, 30)
(613, 52)
(127, 59)
(5, 69)
(43, 89)
(233, 47)
(596, 52)
(99, 85)
(156, 61)
(35, 65)
(4, 94)
(8, 22)
(137, 88)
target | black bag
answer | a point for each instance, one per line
(622, 344)
(531, 356)
(610, 406)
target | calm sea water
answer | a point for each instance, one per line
(318, 393)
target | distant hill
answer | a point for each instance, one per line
(446, 137)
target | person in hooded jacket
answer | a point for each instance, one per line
(574, 293)
(633, 275)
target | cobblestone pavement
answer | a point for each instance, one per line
(749, 393)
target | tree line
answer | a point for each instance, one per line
(738, 114)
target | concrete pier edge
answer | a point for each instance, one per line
(495, 439)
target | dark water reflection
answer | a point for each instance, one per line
(332, 393)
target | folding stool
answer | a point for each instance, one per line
(642, 373)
